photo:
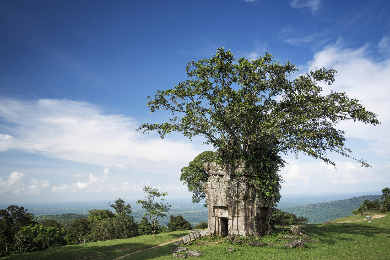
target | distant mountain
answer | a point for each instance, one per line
(325, 211)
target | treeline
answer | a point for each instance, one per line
(64, 219)
(378, 205)
(21, 233)
(326, 211)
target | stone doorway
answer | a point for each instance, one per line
(224, 226)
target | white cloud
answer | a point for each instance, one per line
(81, 185)
(15, 177)
(314, 5)
(384, 46)
(126, 186)
(365, 79)
(292, 175)
(37, 185)
(80, 132)
(5, 142)
(12, 184)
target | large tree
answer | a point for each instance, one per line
(254, 110)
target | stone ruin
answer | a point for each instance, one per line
(235, 208)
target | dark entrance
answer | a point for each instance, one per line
(224, 226)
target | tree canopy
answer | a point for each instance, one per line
(253, 110)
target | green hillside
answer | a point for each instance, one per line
(325, 211)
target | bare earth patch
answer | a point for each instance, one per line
(372, 217)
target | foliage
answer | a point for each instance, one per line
(154, 210)
(250, 110)
(368, 205)
(178, 223)
(382, 205)
(37, 238)
(118, 227)
(202, 225)
(353, 240)
(78, 232)
(12, 219)
(64, 219)
(120, 207)
(385, 200)
(52, 223)
(99, 214)
(283, 218)
(194, 175)
(144, 227)
(325, 211)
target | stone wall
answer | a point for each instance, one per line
(233, 207)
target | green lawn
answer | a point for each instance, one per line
(353, 240)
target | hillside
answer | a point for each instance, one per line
(325, 211)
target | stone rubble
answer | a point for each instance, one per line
(195, 234)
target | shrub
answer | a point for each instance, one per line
(368, 205)
(78, 232)
(178, 223)
(280, 217)
(38, 238)
(202, 225)
(118, 227)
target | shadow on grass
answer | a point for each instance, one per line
(335, 232)
(102, 250)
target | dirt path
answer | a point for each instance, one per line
(166, 243)
(372, 217)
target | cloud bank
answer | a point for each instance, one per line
(80, 132)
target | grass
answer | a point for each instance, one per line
(101, 250)
(351, 240)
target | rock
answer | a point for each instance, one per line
(295, 230)
(255, 243)
(295, 244)
(271, 245)
(193, 253)
(289, 237)
(195, 234)
(178, 255)
(230, 249)
(179, 249)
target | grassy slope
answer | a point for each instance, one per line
(353, 240)
(102, 250)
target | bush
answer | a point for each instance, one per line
(202, 225)
(78, 232)
(144, 227)
(280, 217)
(368, 205)
(38, 238)
(118, 227)
(178, 223)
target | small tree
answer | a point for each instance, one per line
(178, 223)
(202, 225)
(154, 210)
(120, 207)
(385, 200)
(78, 231)
(99, 214)
(144, 227)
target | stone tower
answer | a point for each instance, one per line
(234, 208)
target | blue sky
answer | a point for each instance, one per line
(75, 76)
